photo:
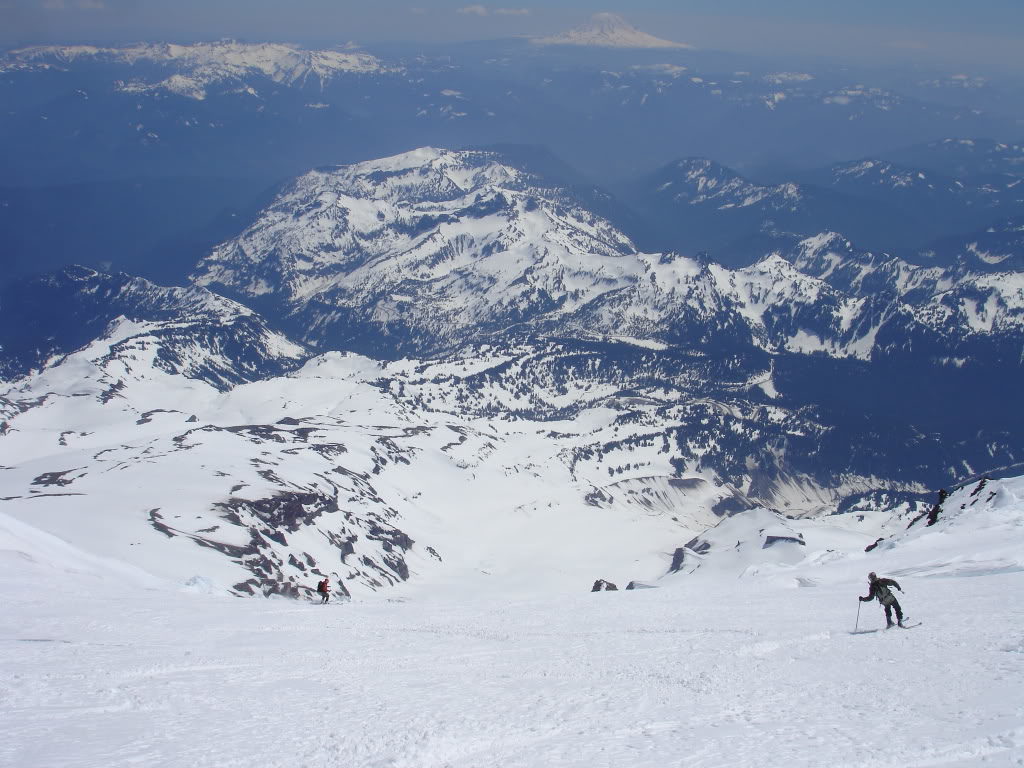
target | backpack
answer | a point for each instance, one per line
(885, 595)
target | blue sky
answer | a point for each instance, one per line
(985, 33)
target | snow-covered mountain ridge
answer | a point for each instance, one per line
(996, 248)
(188, 331)
(699, 181)
(200, 66)
(433, 243)
(957, 299)
(879, 203)
(966, 156)
(435, 248)
(908, 186)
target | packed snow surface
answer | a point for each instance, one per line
(101, 664)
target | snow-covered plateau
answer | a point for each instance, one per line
(755, 662)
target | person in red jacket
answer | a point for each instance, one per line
(324, 588)
(880, 590)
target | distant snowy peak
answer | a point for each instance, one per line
(863, 175)
(965, 157)
(608, 30)
(423, 175)
(194, 68)
(698, 181)
(923, 192)
(426, 247)
(879, 171)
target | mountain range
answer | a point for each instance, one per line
(273, 312)
(109, 139)
(501, 338)
(537, 401)
(695, 204)
(92, 113)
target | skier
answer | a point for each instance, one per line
(324, 588)
(880, 590)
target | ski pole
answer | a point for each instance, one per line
(857, 622)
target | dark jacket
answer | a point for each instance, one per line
(880, 591)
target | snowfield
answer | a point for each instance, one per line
(751, 663)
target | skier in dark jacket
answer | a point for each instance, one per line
(880, 590)
(324, 588)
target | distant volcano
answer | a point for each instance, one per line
(609, 30)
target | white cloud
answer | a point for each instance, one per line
(474, 10)
(512, 11)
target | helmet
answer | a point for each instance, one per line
(872, 576)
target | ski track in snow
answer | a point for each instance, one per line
(695, 674)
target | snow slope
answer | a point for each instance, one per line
(104, 669)
(332, 470)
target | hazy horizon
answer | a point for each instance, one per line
(987, 37)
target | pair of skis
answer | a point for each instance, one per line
(894, 626)
(858, 631)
